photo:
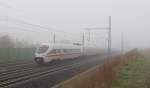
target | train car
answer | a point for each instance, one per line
(48, 52)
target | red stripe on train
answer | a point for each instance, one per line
(61, 54)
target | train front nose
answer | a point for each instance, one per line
(39, 60)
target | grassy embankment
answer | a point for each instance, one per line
(131, 71)
(134, 75)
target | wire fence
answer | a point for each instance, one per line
(12, 54)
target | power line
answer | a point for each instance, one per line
(5, 5)
(37, 25)
(24, 29)
(109, 34)
(31, 24)
(27, 23)
(42, 28)
(90, 29)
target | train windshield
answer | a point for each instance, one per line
(42, 49)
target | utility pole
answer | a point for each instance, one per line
(109, 45)
(89, 34)
(83, 43)
(109, 38)
(122, 43)
(54, 38)
(109, 35)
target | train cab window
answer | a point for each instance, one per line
(42, 49)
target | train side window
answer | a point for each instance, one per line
(68, 50)
(71, 50)
(58, 50)
(65, 50)
(76, 50)
(53, 51)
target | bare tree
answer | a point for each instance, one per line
(24, 44)
(6, 42)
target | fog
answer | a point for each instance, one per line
(69, 18)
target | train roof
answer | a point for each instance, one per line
(62, 46)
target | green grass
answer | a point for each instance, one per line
(13, 54)
(135, 74)
(133, 71)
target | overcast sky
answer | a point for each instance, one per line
(72, 16)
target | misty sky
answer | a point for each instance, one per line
(73, 16)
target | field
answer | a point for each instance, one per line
(13, 54)
(128, 71)
(135, 74)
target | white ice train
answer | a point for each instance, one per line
(48, 52)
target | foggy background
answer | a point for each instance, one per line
(69, 18)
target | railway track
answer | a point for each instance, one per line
(13, 63)
(24, 72)
(7, 70)
(25, 75)
(15, 68)
(20, 68)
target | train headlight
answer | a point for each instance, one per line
(39, 60)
